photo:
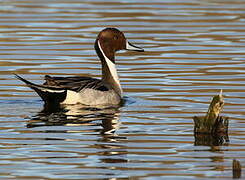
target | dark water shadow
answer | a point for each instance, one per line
(211, 139)
(215, 142)
(218, 137)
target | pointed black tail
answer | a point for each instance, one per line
(50, 95)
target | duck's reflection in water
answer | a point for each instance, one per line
(78, 115)
(110, 147)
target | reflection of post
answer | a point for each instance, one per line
(212, 129)
(236, 169)
(210, 139)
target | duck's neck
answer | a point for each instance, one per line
(109, 72)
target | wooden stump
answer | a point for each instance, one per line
(215, 126)
(212, 128)
(236, 169)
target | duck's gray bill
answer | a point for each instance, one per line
(132, 47)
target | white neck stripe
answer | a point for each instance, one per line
(112, 67)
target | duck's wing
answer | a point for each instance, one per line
(76, 83)
(54, 90)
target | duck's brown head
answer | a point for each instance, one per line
(110, 40)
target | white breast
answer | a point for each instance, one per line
(92, 97)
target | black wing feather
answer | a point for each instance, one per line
(76, 83)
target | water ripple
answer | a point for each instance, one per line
(193, 49)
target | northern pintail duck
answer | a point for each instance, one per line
(87, 90)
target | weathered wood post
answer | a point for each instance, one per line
(236, 169)
(212, 129)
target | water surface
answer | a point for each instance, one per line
(193, 49)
